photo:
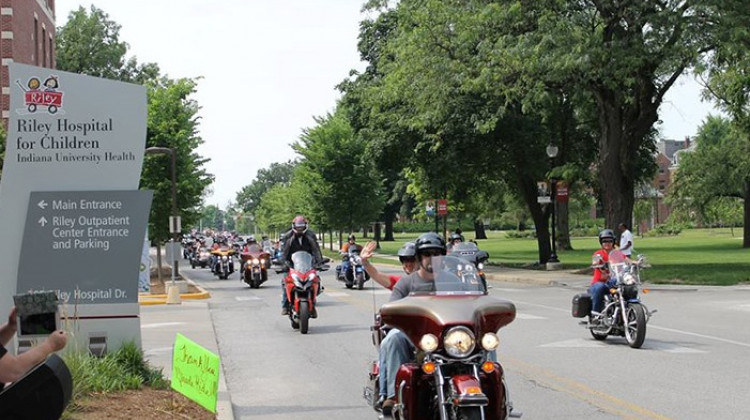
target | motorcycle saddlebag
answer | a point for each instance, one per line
(581, 305)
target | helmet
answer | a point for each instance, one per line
(428, 241)
(250, 239)
(455, 237)
(606, 234)
(264, 237)
(299, 224)
(407, 252)
(352, 238)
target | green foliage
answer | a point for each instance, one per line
(122, 370)
(341, 187)
(280, 204)
(666, 229)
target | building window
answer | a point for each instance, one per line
(35, 38)
(44, 47)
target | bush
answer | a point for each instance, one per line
(667, 229)
(517, 234)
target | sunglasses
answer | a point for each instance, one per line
(432, 253)
(607, 241)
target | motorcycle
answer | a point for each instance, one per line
(255, 266)
(302, 284)
(200, 258)
(224, 265)
(470, 251)
(624, 314)
(354, 271)
(454, 376)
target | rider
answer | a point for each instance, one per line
(298, 238)
(406, 255)
(600, 263)
(396, 348)
(454, 239)
(350, 243)
(408, 259)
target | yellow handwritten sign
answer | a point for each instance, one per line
(195, 372)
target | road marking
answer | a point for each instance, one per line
(335, 294)
(247, 298)
(161, 324)
(528, 316)
(606, 402)
(575, 343)
(650, 325)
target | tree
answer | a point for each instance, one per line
(173, 123)
(248, 198)
(343, 192)
(710, 180)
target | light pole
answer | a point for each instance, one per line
(175, 233)
(552, 154)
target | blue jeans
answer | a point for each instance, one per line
(395, 350)
(597, 291)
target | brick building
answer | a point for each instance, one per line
(667, 159)
(27, 36)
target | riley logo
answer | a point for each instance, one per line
(37, 97)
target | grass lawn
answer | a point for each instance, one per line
(696, 256)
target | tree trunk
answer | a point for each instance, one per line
(615, 166)
(389, 217)
(479, 232)
(563, 228)
(540, 215)
(746, 218)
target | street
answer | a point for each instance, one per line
(692, 364)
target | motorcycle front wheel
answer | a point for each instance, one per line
(635, 327)
(360, 281)
(304, 317)
(469, 413)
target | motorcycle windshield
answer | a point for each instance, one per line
(456, 275)
(302, 261)
(354, 249)
(618, 263)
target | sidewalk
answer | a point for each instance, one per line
(160, 323)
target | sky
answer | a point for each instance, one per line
(268, 67)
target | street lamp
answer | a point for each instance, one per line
(175, 216)
(552, 154)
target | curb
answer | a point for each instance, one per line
(161, 299)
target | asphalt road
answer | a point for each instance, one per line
(692, 365)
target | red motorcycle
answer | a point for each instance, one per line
(454, 375)
(255, 263)
(302, 286)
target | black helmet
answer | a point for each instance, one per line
(455, 237)
(429, 240)
(352, 238)
(606, 234)
(407, 252)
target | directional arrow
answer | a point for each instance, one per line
(42, 221)
(42, 204)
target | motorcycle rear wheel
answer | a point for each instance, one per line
(304, 317)
(635, 327)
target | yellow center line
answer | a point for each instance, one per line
(607, 402)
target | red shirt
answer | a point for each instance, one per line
(599, 262)
(394, 279)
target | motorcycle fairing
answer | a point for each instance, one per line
(422, 314)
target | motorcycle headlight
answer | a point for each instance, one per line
(311, 277)
(459, 342)
(224, 258)
(263, 261)
(490, 341)
(480, 266)
(428, 343)
(628, 279)
(255, 261)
